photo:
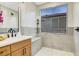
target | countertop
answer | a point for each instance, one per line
(12, 40)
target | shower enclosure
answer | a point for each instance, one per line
(54, 30)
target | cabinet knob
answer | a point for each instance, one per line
(2, 51)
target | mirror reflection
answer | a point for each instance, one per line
(8, 17)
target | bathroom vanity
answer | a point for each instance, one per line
(16, 46)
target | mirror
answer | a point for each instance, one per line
(8, 16)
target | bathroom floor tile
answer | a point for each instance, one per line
(53, 52)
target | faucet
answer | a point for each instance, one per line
(11, 31)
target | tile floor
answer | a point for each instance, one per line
(53, 52)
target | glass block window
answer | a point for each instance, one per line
(55, 19)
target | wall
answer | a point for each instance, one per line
(62, 41)
(59, 41)
(76, 24)
(70, 20)
(9, 21)
(28, 19)
(76, 14)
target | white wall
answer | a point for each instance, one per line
(29, 15)
(76, 24)
(9, 21)
(76, 14)
(28, 12)
(70, 20)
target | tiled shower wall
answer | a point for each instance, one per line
(29, 31)
(62, 41)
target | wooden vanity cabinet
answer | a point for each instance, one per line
(5, 50)
(22, 48)
(26, 51)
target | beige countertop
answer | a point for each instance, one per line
(12, 40)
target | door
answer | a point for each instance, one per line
(27, 50)
(4, 50)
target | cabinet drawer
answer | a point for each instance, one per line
(19, 52)
(19, 45)
(4, 50)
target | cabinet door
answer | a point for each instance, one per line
(4, 50)
(19, 52)
(27, 50)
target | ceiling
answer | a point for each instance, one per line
(11, 5)
(39, 3)
(14, 5)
